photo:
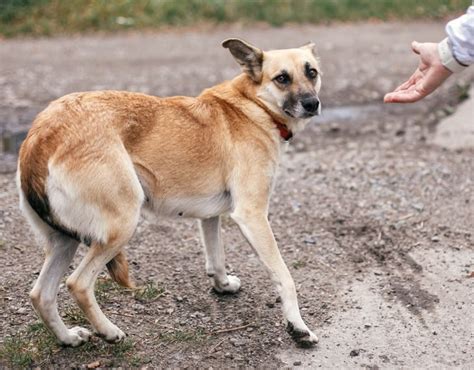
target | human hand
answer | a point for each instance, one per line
(429, 75)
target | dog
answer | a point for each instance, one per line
(93, 160)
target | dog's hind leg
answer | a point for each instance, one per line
(59, 254)
(215, 256)
(81, 286)
(102, 199)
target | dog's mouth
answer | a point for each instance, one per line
(288, 113)
(309, 115)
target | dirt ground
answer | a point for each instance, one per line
(373, 219)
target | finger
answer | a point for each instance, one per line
(415, 77)
(415, 46)
(406, 84)
(408, 96)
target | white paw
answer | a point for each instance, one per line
(76, 336)
(232, 285)
(302, 336)
(113, 335)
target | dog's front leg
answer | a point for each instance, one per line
(215, 256)
(256, 228)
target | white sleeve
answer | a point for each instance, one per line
(461, 37)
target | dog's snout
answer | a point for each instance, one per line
(310, 104)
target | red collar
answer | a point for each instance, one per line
(285, 132)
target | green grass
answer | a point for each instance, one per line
(74, 316)
(34, 346)
(298, 264)
(15, 352)
(23, 349)
(50, 17)
(103, 287)
(149, 292)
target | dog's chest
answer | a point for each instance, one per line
(191, 207)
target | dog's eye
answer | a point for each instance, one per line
(283, 79)
(312, 73)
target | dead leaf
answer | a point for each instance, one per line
(93, 365)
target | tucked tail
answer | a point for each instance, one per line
(118, 270)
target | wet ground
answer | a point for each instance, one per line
(373, 218)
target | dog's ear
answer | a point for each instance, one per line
(310, 46)
(248, 56)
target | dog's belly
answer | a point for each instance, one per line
(191, 207)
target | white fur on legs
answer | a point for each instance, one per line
(81, 285)
(59, 253)
(215, 256)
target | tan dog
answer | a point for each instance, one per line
(92, 161)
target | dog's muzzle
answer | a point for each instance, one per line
(311, 106)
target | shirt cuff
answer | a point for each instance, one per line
(447, 57)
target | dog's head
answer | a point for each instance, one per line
(288, 80)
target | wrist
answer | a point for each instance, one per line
(447, 57)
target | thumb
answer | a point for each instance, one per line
(415, 46)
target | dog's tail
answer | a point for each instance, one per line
(118, 270)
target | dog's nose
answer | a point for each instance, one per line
(310, 104)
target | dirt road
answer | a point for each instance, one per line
(373, 219)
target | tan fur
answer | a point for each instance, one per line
(118, 270)
(92, 160)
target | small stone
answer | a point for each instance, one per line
(309, 240)
(270, 304)
(418, 206)
(435, 239)
(354, 352)
(179, 298)
(22, 310)
(297, 363)
(367, 326)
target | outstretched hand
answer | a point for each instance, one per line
(429, 75)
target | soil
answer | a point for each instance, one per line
(374, 221)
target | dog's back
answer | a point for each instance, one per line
(90, 156)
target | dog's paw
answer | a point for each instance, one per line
(114, 335)
(303, 337)
(76, 336)
(231, 286)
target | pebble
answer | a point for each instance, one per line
(297, 363)
(354, 352)
(22, 311)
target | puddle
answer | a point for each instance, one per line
(348, 113)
